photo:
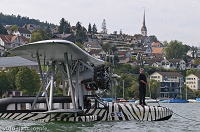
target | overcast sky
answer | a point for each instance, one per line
(166, 19)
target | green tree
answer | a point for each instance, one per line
(165, 43)
(114, 48)
(67, 28)
(174, 50)
(94, 29)
(11, 74)
(43, 32)
(106, 47)
(4, 83)
(89, 28)
(48, 32)
(137, 35)
(13, 28)
(62, 25)
(36, 36)
(133, 89)
(191, 71)
(196, 61)
(153, 89)
(80, 33)
(24, 81)
(153, 38)
(3, 30)
(36, 79)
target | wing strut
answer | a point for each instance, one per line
(69, 79)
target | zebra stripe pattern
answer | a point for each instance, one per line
(114, 111)
(126, 111)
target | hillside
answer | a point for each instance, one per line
(20, 21)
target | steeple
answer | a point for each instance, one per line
(144, 28)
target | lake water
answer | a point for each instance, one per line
(187, 120)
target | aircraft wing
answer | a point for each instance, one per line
(15, 61)
(50, 50)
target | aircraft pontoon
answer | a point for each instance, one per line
(81, 74)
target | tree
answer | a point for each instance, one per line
(3, 30)
(191, 71)
(106, 47)
(67, 28)
(43, 32)
(89, 28)
(13, 28)
(11, 75)
(137, 35)
(153, 89)
(80, 33)
(25, 81)
(4, 83)
(114, 48)
(133, 89)
(165, 43)
(62, 25)
(196, 61)
(153, 38)
(48, 32)
(36, 79)
(94, 29)
(174, 50)
(36, 36)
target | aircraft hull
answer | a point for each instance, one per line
(114, 112)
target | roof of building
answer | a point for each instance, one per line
(8, 39)
(196, 74)
(62, 35)
(24, 30)
(92, 44)
(95, 51)
(120, 52)
(175, 60)
(170, 74)
(155, 44)
(157, 50)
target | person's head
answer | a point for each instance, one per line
(141, 70)
(89, 102)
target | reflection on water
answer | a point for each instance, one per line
(190, 121)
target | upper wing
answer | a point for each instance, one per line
(15, 61)
(50, 50)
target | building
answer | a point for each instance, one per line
(193, 81)
(68, 37)
(170, 83)
(98, 53)
(10, 41)
(91, 45)
(22, 32)
(31, 27)
(144, 28)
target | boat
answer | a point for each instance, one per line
(175, 101)
(197, 100)
(83, 75)
(148, 100)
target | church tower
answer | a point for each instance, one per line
(144, 28)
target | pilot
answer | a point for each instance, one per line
(88, 105)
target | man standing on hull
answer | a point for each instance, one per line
(142, 87)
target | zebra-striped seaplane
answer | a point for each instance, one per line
(82, 75)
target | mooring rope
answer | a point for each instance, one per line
(185, 117)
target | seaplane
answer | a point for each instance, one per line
(82, 76)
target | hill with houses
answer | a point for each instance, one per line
(139, 50)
